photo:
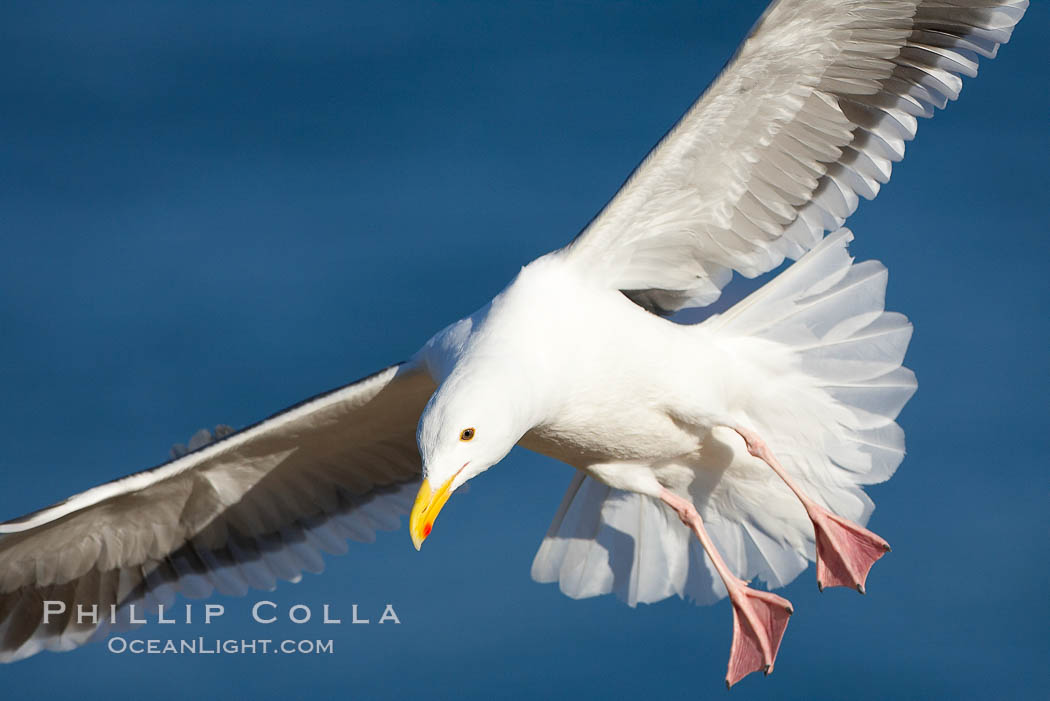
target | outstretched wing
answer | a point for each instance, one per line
(810, 113)
(239, 513)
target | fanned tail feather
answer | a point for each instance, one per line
(846, 383)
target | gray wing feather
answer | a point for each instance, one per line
(244, 511)
(809, 116)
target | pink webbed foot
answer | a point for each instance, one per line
(759, 621)
(759, 617)
(845, 551)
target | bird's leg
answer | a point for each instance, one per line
(845, 551)
(759, 617)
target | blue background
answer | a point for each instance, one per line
(210, 212)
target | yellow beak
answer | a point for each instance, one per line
(428, 505)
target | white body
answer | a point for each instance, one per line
(584, 357)
(638, 402)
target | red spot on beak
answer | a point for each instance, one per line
(426, 529)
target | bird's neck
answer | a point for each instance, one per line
(518, 394)
(513, 349)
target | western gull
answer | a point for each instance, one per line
(706, 455)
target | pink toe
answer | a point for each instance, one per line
(845, 551)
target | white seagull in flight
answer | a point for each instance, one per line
(756, 428)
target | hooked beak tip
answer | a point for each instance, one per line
(428, 504)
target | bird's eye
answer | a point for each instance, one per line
(466, 434)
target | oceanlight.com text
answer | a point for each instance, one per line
(214, 646)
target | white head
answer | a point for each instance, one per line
(469, 425)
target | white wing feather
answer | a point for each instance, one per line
(238, 513)
(810, 115)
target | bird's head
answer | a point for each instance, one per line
(465, 429)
